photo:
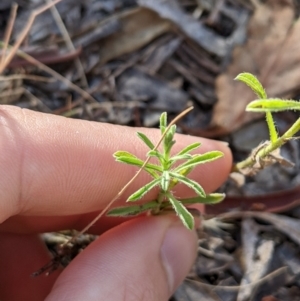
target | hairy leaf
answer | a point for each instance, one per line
(123, 154)
(138, 162)
(142, 191)
(200, 159)
(146, 140)
(189, 148)
(158, 155)
(185, 216)
(132, 210)
(189, 182)
(272, 105)
(163, 122)
(213, 198)
(251, 81)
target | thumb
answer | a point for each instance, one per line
(142, 259)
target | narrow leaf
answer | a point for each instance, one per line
(163, 122)
(251, 81)
(165, 180)
(146, 140)
(189, 148)
(168, 140)
(142, 191)
(200, 159)
(158, 155)
(138, 162)
(123, 154)
(213, 198)
(181, 157)
(132, 210)
(272, 105)
(168, 147)
(183, 172)
(190, 183)
(185, 216)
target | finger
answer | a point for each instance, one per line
(39, 224)
(20, 256)
(143, 259)
(51, 165)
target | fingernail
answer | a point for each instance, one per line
(224, 143)
(176, 253)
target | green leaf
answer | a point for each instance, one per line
(251, 81)
(168, 148)
(146, 140)
(189, 148)
(210, 199)
(138, 162)
(163, 122)
(190, 183)
(172, 130)
(165, 180)
(158, 155)
(123, 154)
(182, 172)
(168, 140)
(185, 216)
(272, 105)
(180, 157)
(142, 191)
(132, 210)
(200, 159)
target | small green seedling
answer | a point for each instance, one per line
(167, 173)
(173, 169)
(268, 152)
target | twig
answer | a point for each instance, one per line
(27, 77)
(58, 76)
(234, 288)
(24, 33)
(8, 31)
(69, 43)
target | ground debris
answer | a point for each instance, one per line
(270, 53)
(140, 58)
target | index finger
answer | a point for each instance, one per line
(51, 165)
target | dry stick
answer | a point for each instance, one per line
(130, 181)
(69, 43)
(264, 279)
(8, 31)
(32, 77)
(50, 71)
(24, 33)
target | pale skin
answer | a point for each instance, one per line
(58, 173)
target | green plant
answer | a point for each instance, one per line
(168, 171)
(268, 152)
(166, 174)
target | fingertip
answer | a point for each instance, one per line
(146, 258)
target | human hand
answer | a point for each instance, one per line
(58, 173)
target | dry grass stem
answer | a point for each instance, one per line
(24, 33)
(56, 75)
(69, 43)
(8, 32)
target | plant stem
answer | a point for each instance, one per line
(265, 151)
(160, 199)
